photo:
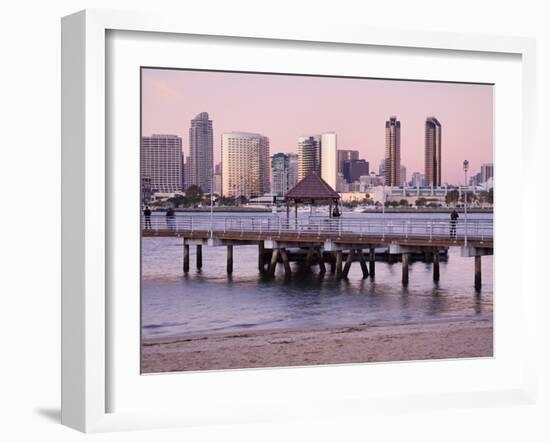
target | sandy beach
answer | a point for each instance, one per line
(337, 345)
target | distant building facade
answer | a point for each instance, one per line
(475, 180)
(245, 164)
(403, 176)
(309, 151)
(346, 155)
(218, 178)
(293, 169)
(382, 168)
(201, 153)
(487, 172)
(432, 152)
(393, 152)
(353, 169)
(162, 163)
(279, 174)
(329, 158)
(418, 180)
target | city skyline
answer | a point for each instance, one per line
(285, 107)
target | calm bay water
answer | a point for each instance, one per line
(211, 302)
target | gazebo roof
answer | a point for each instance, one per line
(312, 187)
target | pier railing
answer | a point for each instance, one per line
(402, 228)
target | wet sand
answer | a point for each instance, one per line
(336, 345)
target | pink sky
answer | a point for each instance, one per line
(285, 107)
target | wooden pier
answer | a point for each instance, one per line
(337, 243)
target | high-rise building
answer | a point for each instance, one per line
(353, 169)
(201, 152)
(393, 152)
(475, 180)
(418, 180)
(218, 178)
(382, 168)
(293, 169)
(403, 176)
(161, 162)
(346, 155)
(487, 172)
(432, 152)
(279, 174)
(309, 151)
(245, 164)
(329, 158)
(186, 173)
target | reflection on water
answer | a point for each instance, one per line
(212, 302)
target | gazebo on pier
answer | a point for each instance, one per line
(311, 190)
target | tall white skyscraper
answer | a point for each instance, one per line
(245, 164)
(162, 162)
(201, 153)
(329, 158)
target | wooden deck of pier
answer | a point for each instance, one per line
(325, 244)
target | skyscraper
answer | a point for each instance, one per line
(161, 162)
(245, 164)
(382, 168)
(201, 152)
(218, 178)
(309, 151)
(353, 169)
(418, 180)
(487, 171)
(279, 174)
(432, 152)
(403, 176)
(393, 152)
(293, 169)
(346, 155)
(329, 158)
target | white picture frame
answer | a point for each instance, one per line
(85, 202)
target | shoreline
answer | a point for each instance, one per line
(441, 339)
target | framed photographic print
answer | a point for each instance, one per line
(290, 222)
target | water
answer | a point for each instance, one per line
(211, 302)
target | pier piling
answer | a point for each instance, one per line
(322, 267)
(308, 257)
(261, 256)
(349, 260)
(338, 264)
(286, 263)
(332, 259)
(199, 256)
(364, 268)
(273, 262)
(436, 265)
(372, 260)
(229, 259)
(405, 274)
(186, 258)
(477, 277)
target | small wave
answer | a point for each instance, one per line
(164, 325)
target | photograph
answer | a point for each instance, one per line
(303, 220)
